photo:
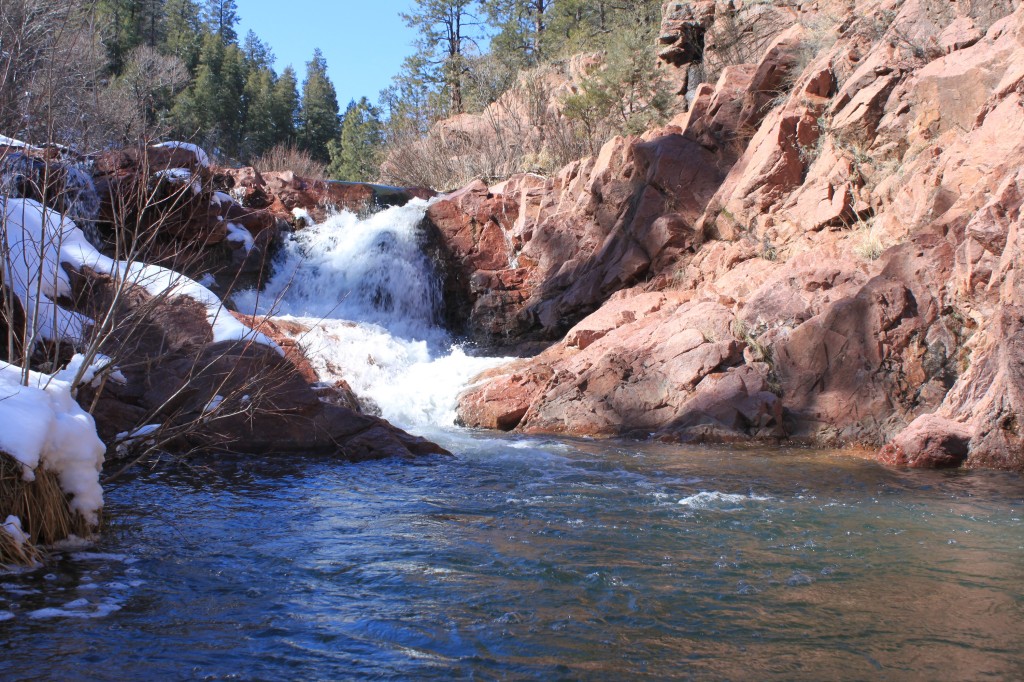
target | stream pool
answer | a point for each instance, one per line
(536, 559)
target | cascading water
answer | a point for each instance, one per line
(370, 298)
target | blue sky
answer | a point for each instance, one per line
(364, 42)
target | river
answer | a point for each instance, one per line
(518, 557)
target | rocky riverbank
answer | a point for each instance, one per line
(822, 248)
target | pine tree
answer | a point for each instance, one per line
(285, 107)
(356, 155)
(446, 35)
(130, 23)
(318, 116)
(232, 115)
(258, 54)
(183, 32)
(260, 133)
(522, 24)
(220, 16)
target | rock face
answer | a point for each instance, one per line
(838, 264)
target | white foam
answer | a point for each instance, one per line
(719, 501)
(80, 608)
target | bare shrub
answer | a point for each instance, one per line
(525, 130)
(290, 158)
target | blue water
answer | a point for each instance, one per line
(536, 559)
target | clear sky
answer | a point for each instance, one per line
(364, 41)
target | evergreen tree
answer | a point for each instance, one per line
(129, 24)
(232, 115)
(258, 54)
(220, 16)
(284, 109)
(198, 110)
(522, 30)
(356, 155)
(260, 133)
(446, 29)
(183, 32)
(318, 115)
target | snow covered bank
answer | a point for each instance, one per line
(39, 240)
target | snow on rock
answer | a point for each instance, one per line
(41, 425)
(92, 374)
(182, 176)
(141, 432)
(41, 239)
(126, 440)
(11, 142)
(214, 404)
(238, 234)
(201, 156)
(32, 265)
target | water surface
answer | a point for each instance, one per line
(537, 559)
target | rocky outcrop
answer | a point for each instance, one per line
(849, 274)
(532, 256)
(283, 193)
(159, 203)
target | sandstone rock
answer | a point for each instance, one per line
(772, 318)
(929, 442)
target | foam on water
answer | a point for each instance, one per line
(719, 501)
(370, 298)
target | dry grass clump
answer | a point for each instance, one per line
(290, 158)
(868, 242)
(43, 509)
(14, 553)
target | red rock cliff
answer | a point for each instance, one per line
(824, 247)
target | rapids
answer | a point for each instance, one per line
(371, 300)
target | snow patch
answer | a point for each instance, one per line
(41, 425)
(11, 142)
(12, 526)
(213, 404)
(182, 176)
(240, 235)
(41, 239)
(201, 156)
(93, 374)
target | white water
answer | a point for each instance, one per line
(371, 299)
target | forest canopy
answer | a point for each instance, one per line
(99, 73)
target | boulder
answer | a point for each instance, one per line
(929, 442)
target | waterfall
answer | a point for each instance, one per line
(370, 299)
